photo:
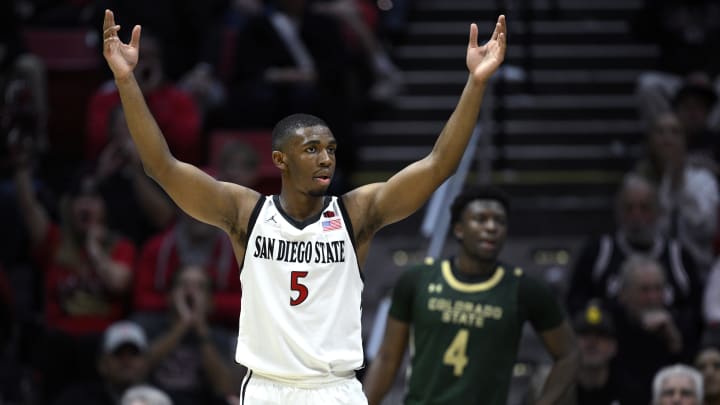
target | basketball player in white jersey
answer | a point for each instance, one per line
(301, 251)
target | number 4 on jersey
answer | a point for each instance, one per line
(456, 353)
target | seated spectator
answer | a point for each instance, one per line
(145, 395)
(597, 382)
(189, 242)
(87, 270)
(300, 63)
(238, 163)
(708, 363)
(23, 84)
(136, 206)
(688, 194)
(175, 111)
(122, 363)
(649, 335)
(387, 78)
(677, 385)
(596, 272)
(189, 31)
(189, 359)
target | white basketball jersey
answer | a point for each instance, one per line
(301, 289)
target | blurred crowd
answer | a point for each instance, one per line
(106, 285)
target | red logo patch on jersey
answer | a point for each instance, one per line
(329, 214)
(331, 225)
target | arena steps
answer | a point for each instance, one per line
(565, 127)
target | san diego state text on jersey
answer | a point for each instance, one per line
(299, 251)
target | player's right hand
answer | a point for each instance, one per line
(122, 58)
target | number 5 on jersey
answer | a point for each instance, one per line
(456, 353)
(301, 289)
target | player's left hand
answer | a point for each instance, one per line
(483, 61)
(121, 58)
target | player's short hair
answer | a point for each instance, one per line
(677, 369)
(477, 193)
(288, 125)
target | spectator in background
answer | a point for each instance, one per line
(387, 78)
(692, 104)
(707, 362)
(688, 194)
(189, 243)
(23, 84)
(189, 31)
(299, 64)
(122, 363)
(176, 113)
(246, 160)
(688, 35)
(677, 385)
(145, 395)
(87, 269)
(596, 272)
(649, 335)
(238, 163)
(597, 382)
(711, 299)
(136, 206)
(189, 359)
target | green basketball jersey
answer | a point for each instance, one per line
(465, 334)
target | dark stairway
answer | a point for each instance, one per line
(563, 136)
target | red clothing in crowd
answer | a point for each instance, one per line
(79, 304)
(176, 113)
(159, 260)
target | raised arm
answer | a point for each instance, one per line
(198, 194)
(409, 189)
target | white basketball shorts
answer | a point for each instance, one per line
(258, 390)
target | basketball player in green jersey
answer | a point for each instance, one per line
(464, 318)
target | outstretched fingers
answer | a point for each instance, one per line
(111, 32)
(500, 28)
(135, 39)
(109, 20)
(110, 29)
(473, 42)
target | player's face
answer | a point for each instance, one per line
(482, 229)
(678, 390)
(310, 159)
(708, 362)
